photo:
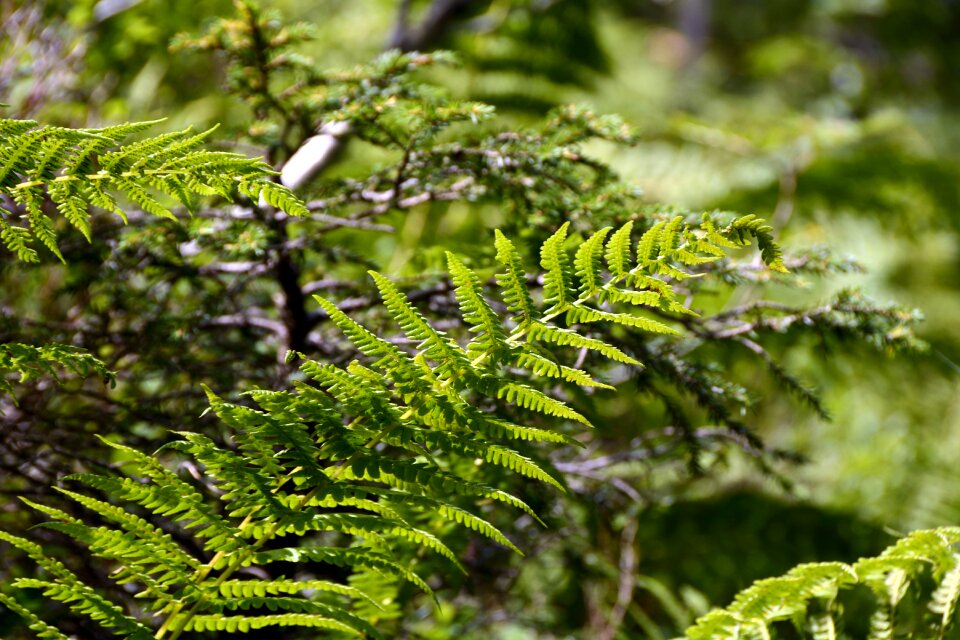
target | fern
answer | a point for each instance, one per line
(354, 486)
(75, 169)
(356, 468)
(806, 594)
(48, 360)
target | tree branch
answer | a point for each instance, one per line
(440, 16)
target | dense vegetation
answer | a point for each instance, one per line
(472, 362)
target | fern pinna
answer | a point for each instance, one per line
(355, 468)
(74, 169)
(914, 586)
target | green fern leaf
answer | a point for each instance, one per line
(17, 239)
(943, 602)
(513, 283)
(808, 591)
(490, 337)
(371, 345)
(276, 195)
(78, 168)
(535, 400)
(84, 600)
(557, 280)
(649, 245)
(341, 557)
(233, 624)
(578, 313)
(543, 366)
(251, 588)
(453, 361)
(588, 264)
(568, 338)
(618, 252)
(769, 250)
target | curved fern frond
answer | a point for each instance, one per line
(75, 169)
(618, 253)
(751, 225)
(805, 595)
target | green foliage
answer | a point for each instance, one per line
(30, 362)
(370, 454)
(74, 169)
(431, 397)
(807, 596)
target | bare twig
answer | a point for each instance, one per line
(628, 580)
(241, 320)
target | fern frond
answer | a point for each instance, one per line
(544, 366)
(17, 239)
(173, 498)
(513, 283)
(341, 557)
(150, 540)
(75, 169)
(491, 337)
(567, 338)
(503, 429)
(233, 624)
(557, 277)
(260, 588)
(35, 552)
(943, 602)
(371, 345)
(437, 346)
(578, 314)
(472, 446)
(649, 244)
(756, 227)
(618, 252)
(535, 400)
(881, 624)
(808, 591)
(456, 514)
(588, 264)
(375, 459)
(29, 362)
(85, 601)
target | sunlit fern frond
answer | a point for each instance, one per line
(46, 170)
(358, 467)
(807, 594)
